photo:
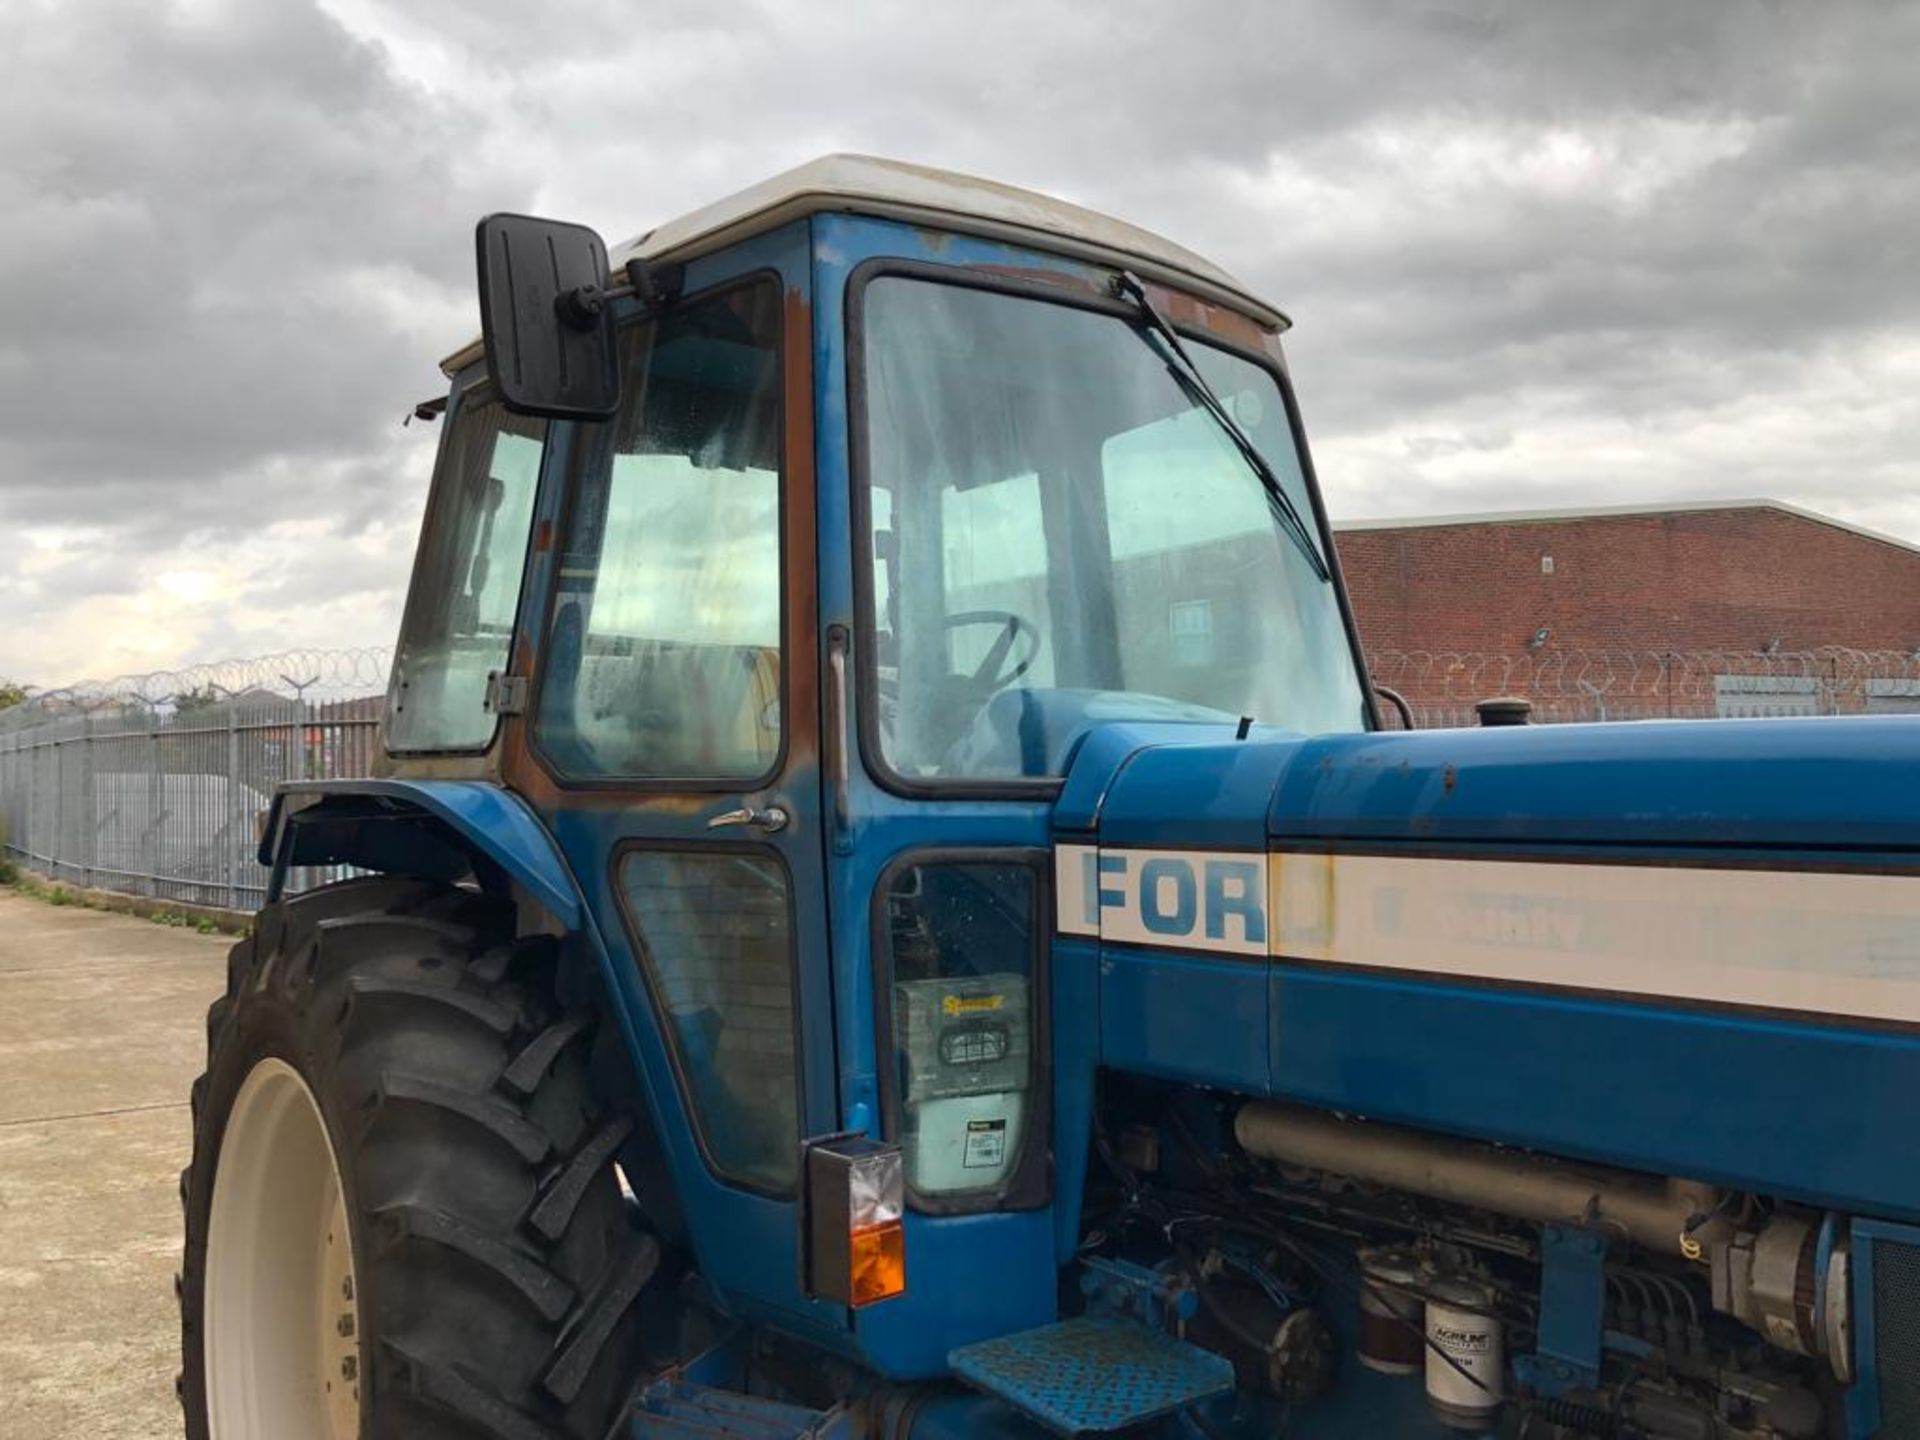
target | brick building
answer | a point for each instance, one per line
(1635, 599)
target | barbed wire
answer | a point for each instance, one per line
(303, 674)
(1443, 686)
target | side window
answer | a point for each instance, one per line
(466, 586)
(965, 1020)
(663, 659)
(715, 939)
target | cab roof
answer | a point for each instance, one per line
(893, 189)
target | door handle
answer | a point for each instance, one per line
(772, 819)
(838, 758)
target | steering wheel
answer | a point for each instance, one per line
(950, 704)
(993, 672)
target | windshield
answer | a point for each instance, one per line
(1060, 535)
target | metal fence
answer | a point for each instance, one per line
(155, 784)
(1442, 688)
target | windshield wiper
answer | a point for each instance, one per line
(1187, 374)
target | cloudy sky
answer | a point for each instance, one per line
(1537, 254)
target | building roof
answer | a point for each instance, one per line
(893, 189)
(1606, 512)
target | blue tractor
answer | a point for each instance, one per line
(888, 910)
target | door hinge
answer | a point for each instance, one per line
(506, 694)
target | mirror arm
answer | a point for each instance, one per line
(655, 285)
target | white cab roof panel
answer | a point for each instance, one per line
(868, 185)
(893, 189)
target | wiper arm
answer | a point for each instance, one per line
(1127, 287)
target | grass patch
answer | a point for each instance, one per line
(55, 893)
(180, 920)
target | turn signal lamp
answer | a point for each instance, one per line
(855, 1241)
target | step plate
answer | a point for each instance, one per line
(1093, 1374)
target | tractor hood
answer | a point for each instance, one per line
(1468, 930)
(1849, 784)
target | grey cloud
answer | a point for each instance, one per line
(230, 226)
(215, 218)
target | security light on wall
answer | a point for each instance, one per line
(1539, 638)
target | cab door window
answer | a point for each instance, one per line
(663, 654)
(715, 937)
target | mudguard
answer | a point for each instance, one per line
(432, 827)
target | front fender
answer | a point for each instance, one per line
(426, 827)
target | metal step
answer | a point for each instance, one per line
(1093, 1374)
(681, 1410)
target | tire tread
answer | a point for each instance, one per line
(547, 1292)
(505, 1122)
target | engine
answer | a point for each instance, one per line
(1365, 1278)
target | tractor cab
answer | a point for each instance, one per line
(780, 564)
(882, 914)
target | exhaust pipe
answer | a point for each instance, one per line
(1662, 1215)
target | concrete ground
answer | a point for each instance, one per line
(100, 1035)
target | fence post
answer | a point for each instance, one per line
(234, 832)
(300, 732)
(87, 831)
(56, 852)
(299, 747)
(156, 808)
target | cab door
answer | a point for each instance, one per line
(670, 746)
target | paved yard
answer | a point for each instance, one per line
(100, 1035)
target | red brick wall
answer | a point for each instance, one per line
(1703, 580)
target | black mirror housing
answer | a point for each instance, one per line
(544, 317)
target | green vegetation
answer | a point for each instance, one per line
(179, 920)
(55, 893)
(197, 698)
(37, 889)
(12, 693)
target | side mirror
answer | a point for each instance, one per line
(544, 317)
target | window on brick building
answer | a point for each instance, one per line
(1893, 697)
(1746, 697)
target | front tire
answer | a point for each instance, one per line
(402, 1213)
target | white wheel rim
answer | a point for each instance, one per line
(281, 1313)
